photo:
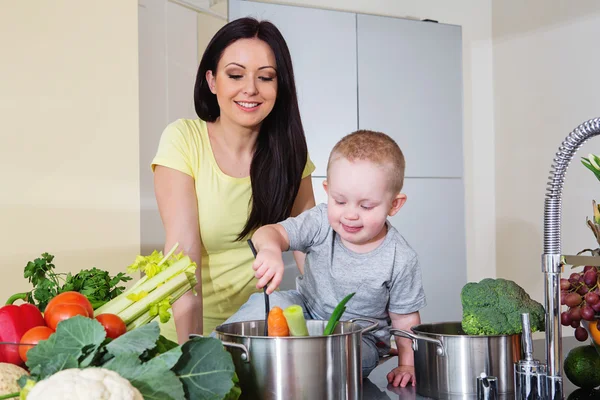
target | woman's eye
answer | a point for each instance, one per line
(266, 78)
(235, 76)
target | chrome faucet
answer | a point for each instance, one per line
(552, 260)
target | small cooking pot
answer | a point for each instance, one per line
(448, 361)
(297, 367)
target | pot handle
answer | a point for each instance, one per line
(245, 355)
(414, 337)
(374, 324)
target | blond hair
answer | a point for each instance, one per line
(376, 147)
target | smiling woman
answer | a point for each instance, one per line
(241, 165)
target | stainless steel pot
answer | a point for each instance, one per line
(311, 367)
(448, 361)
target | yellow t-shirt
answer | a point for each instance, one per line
(223, 208)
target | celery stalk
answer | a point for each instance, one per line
(136, 309)
(146, 318)
(169, 254)
(121, 302)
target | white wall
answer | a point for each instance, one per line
(475, 18)
(546, 77)
(69, 141)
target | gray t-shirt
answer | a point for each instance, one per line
(387, 278)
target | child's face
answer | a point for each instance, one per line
(359, 202)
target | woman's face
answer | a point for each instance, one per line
(245, 82)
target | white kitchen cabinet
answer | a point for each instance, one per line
(410, 87)
(323, 48)
(433, 223)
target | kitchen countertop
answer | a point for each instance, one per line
(375, 387)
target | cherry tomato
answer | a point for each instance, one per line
(33, 336)
(71, 298)
(113, 325)
(63, 311)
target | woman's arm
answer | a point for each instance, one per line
(178, 207)
(305, 200)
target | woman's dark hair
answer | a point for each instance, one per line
(281, 152)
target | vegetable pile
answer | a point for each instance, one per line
(79, 331)
(158, 368)
(494, 307)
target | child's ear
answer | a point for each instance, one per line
(210, 79)
(325, 186)
(397, 204)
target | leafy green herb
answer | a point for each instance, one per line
(97, 285)
(158, 368)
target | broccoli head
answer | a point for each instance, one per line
(494, 307)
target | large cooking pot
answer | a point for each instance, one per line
(314, 367)
(448, 361)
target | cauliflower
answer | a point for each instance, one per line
(88, 384)
(9, 374)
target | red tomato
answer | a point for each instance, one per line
(113, 325)
(63, 311)
(70, 298)
(33, 336)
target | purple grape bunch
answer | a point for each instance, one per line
(581, 294)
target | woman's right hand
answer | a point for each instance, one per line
(268, 268)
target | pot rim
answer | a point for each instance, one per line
(314, 337)
(416, 329)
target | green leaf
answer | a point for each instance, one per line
(589, 166)
(57, 363)
(136, 341)
(75, 337)
(236, 391)
(153, 380)
(162, 346)
(166, 360)
(205, 369)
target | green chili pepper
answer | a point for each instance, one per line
(337, 314)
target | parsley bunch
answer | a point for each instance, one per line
(97, 285)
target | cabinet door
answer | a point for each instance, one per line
(410, 87)
(323, 48)
(433, 223)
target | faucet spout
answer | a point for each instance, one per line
(551, 259)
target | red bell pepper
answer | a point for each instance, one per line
(14, 322)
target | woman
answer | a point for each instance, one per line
(241, 165)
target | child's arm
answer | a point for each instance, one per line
(270, 241)
(405, 372)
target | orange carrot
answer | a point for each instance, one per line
(276, 323)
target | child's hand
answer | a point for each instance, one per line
(402, 376)
(269, 269)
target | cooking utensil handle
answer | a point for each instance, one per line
(245, 355)
(374, 324)
(441, 351)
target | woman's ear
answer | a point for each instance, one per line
(397, 204)
(210, 79)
